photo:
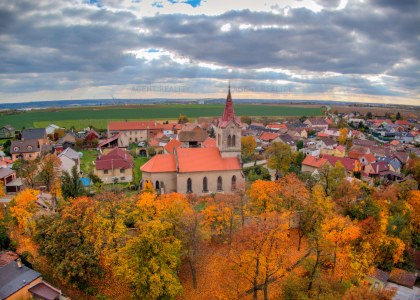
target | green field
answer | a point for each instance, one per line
(99, 116)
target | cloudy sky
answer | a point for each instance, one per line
(357, 50)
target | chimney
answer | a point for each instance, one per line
(19, 263)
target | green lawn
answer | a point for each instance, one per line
(86, 162)
(138, 162)
(100, 116)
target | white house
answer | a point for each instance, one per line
(50, 129)
(69, 158)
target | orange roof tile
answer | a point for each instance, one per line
(341, 148)
(395, 143)
(370, 158)
(160, 163)
(174, 143)
(133, 125)
(268, 136)
(204, 159)
(209, 142)
(312, 161)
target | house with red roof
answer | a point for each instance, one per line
(116, 166)
(169, 147)
(312, 163)
(351, 165)
(213, 168)
(268, 137)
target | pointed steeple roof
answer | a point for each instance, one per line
(229, 112)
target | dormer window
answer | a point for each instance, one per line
(30, 148)
(16, 149)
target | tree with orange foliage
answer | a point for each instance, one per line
(23, 207)
(338, 232)
(264, 196)
(66, 240)
(342, 139)
(2, 191)
(413, 200)
(260, 254)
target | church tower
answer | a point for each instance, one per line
(228, 131)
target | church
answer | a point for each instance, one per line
(202, 170)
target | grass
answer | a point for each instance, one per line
(100, 116)
(138, 162)
(86, 164)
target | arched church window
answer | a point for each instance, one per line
(229, 141)
(157, 186)
(189, 185)
(219, 184)
(233, 183)
(218, 139)
(205, 189)
(234, 141)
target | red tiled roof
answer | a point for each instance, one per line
(154, 143)
(133, 125)
(341, 148)
(402, 122)
(209, 142)
(160, 163)
(204, 159)
(268, 136)
(321, 134)
(174, 143)
(277, 126)
(370, 158)
(395, 143)
(312, 161)
(115, 159)
(348, 163)
(402, 277)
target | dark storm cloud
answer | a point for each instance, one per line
(70, 46)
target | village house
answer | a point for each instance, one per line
(339, 151)
(201, 170)
(312, 164)
(38, 134)
(319, 124)
(69, 159)
(116, 166)
(25, 149)
(192, 136)
(287, 139)
(7, 132)
(134, 131)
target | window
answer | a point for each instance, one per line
(219, 184)
(229, 141)
(205, 189)
(105, 171)
(157, 185)
(122, 171)
(218, 139)
(189, 185)
(233, 183)
(233, 141)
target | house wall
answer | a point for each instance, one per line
(4, 133)
(310, 169)
(24, 293)
(26, 156)
(132, 136)
(167, 178)
(107, 178)
(197, 181)
(67, 164)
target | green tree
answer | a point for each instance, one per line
(331, 177)
(246, 120)
(280, 157)
(369, 115)
(149, 262)
(398, 117)
(248, 147)
(71, 185)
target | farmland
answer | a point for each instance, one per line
(100, 116)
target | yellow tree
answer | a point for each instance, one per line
(413, 200)
(248, 147)
(280, 157)
(2, 192)
(342, 138)
(264, 196)
(49, 170)
(23, 207)
(338, 232)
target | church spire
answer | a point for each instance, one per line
(229, 112)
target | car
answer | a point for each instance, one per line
(141, 144)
